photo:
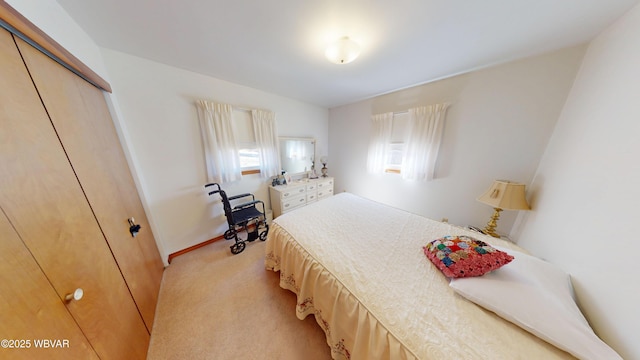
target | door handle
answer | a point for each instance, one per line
(133, 227)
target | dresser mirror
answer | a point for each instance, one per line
(297, 155)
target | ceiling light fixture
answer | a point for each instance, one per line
(343, 51)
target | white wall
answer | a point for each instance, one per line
(586, 190)
(156, 107)
(496, 128)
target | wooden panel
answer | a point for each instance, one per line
(30, 309)
(43, 200)
(82, 120)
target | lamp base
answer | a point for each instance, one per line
(490, 229)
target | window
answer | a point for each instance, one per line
(249, 159)
(229, 135)
(393, 160)
(245, 138)
(395, 150)
(407, 142)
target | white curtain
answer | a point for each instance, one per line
(220, 149)
(382, 125)
(264, 128)
(426, 125)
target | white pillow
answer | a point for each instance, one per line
(538, 297)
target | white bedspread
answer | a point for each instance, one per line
(359, 268)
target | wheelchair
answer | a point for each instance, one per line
(242, 217)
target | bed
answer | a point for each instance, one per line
(359, 267)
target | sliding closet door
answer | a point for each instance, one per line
(82, 120)
(29, 307)
(43, 201)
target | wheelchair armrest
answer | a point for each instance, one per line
(234, 197)
(249, 204)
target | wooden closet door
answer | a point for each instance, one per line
(82, 120)
(44, 202)
(29, 307)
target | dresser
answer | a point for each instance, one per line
(288, 197)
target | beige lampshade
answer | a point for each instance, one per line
(506, 195)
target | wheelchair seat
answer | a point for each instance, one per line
(246, 214)
(243, 217)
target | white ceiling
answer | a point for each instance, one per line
(278, 46)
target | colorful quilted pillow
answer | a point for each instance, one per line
(464, 256)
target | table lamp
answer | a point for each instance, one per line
(324, 160)
(503, 195)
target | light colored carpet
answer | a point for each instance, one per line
(215, 305)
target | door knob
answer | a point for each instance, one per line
(76, 295)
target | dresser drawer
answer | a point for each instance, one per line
(293, 202)
(325, 185)
(293, 192)
(322, 193)
(312, 196)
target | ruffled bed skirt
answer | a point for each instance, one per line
(323, 296)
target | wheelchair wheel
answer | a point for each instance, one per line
(263, 225)
(230, 234)
(237, 248)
